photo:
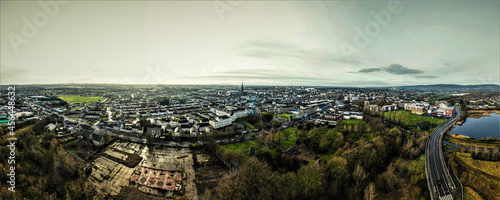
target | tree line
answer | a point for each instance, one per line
(358, 169)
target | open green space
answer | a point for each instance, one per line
(480, 179)
(413, 120)
(289, 142)
(80, 99)
(486, 143)
(352, 121)
(241, 146)
(286, 115)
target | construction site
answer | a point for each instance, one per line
(155, 171)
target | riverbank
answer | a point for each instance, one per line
(480, 179)
(491, 143)
(480, 113)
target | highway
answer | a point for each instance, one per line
(441, 181)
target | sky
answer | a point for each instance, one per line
(309, 43)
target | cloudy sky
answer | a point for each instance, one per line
(336, 43)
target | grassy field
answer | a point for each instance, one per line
(479, 178)
(290, 141)
(241, 146)
(491, 143)
(80, 99)
(287, 115)
(413, 119)
(489, 167)
(352, 121)
(469, 193)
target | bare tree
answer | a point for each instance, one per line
(370, 191)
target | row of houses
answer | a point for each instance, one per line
(352, 115)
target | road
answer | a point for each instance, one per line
(442, 183)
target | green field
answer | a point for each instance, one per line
(289, 142)
(80, 99)
(414, 120)
(287, 115)
(241, 146)
(352, 121)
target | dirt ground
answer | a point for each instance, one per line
(208, 170)
(111, 171)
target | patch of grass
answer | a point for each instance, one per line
(489, 167)
(478, 142)
(289, 142)
(241, 146)
(80, 99)
(250, 125)
(289, 131)
(286, 115)
(416, 121)
(326, 156)
(469, 193)
(477, 175)
(352, 121)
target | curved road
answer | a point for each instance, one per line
(442, 183)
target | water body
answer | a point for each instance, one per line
(478, 128)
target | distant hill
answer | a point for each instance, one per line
(454, 87)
